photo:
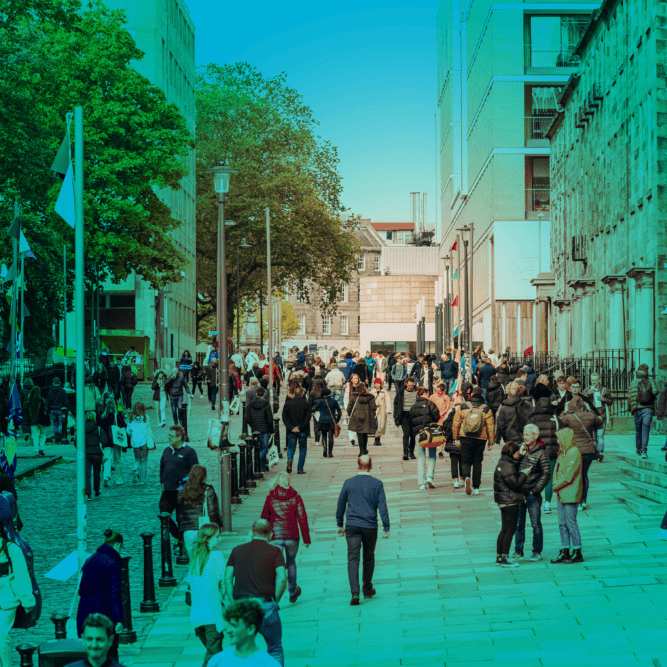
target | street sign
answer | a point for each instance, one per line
(212, 333)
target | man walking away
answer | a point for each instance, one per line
(474, 422)
(296, 417)
(56, 403)
(259, 416)
(601, 399)
(403, 402)
(534, 461)
(360, 500)
(484, 372)
(257, 569)
(641, 402)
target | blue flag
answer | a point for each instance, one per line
(8, 458)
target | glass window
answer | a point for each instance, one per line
(302, 324)
(326, 325)
(553, 38)
(361, 264)
(376, 262)
(389, 235)
(358, 324)
(540, 172)
(359, 291)
(343, 325)
(344, 292)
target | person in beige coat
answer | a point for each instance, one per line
(384, 408)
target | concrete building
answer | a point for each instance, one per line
(607, 179)
(501, 68)
(158, 324)
(394, 233)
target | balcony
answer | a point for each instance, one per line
(537, 201)
(536, 129)
(537, 61)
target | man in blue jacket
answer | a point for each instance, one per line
(484, 372)
(449, 371)
(362, 497)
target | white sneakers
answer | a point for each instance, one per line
(456, 484)
(422, 487)
(476, 492)
(547, 508)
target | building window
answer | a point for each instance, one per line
(553, 38)
(300, 294)
(344, 290)
(343, 325)
(376, 262)
(389, 236)
(361, 263)
(302, 325)
(359, 291)
(326, 325)
(541, 106)
(538, 185)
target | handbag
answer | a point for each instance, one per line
(272, 456)
(44, 418)
(26, 619)
(431, 436)
(70, 625)
(203, 519)
(452, 448)
(119, 434)
(336, 426)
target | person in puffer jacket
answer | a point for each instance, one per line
(533, 456)
(423, 413)
(259, 416)
(507, 422)
(175, 386)
(495, 394)
(96, 438)
(507, 494)
(285, 511)
(543, 417)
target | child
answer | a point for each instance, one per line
(137, 431)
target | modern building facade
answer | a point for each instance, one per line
(607, 180)
(501, 69)
(159, 324)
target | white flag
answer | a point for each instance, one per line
(65, 203)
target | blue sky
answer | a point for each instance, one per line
(368, 72)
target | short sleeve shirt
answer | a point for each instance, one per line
(255, 566)
(229, 659)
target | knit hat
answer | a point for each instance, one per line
(377, 381)
(56, 381)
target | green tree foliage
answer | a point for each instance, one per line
(55, 55)
(262, 127)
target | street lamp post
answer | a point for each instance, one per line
(448, 313)
(245, 246)
(467, 338)
(437, 298)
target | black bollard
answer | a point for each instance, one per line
(276, 432)
(243, 469)
(60, 621)
(183, 419)
(26, 651)
(148, 604)
(235, 499)
(244, 423)
(167, 579)
(127, 634)
(250, 478)
(182, 558)
(257, 462)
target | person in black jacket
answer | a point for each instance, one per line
(495, 394)
(259, 417)
(114, 380)
(175, 386)
(541, 388)
(361, 369)
(508, 418)
(561, 396)
(543, 417)
(454, 456)
(329, 415)
(56, 404)
(533, 456)
(128, 381)
(96, 438)
(423, 413)
(503, 373)
(424, 375)
(507, 483)
(405, 398)
(296, 417)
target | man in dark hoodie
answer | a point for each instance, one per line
(56, 403)
(483, 373)
(495, 394)
(362, 371)
(259, 417)
(296, 417)
(534, 457)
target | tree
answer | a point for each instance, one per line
(263, 128)
(55, 56)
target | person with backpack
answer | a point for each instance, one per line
(451, 446)
(423, 413)
(641, 403)
(128, 381)
(495, 395)
(399, 373)
(329, 411)
(473, 427)
(511, 417)
(96, 439)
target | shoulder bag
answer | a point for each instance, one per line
(203, 519)
(336, 426)
(590, 437)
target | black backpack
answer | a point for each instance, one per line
(645, 395)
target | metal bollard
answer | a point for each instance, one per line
(127, 634)
(244, 423)
(148, 604)
(257, 462)
(26, 651)
(167, 579)
(250, 477)
(60, 621)
(226, 484)
(182, 558)
(243, 469)
(183, 419)
(235, 499)
(276, 435)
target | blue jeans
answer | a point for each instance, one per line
(484, 393)
(449, 383)
(291, 548)
(532, 504)
(263, 449)
(599, 437)
(57, 420)
(586, 460)
(567, 523)
(176, 403)
(643, 417)
(272, 631)
(291, 448)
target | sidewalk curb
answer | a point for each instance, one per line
(48, 462)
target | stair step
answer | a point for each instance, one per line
(658, 479)
(643, 509)
(647, 464)
(654, 493)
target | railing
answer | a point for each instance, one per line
(538, 199)
(562, 58)
(537, 126)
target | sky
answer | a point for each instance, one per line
(366, 69)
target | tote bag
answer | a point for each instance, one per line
(203, 519)
(119, 434)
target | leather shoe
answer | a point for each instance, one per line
(412, 456)
(289, 467)
(300, 472)
(355, 600)
(371, 594)
(405, 457)
(293, 598)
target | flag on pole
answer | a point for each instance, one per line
(528, 351)
(62, 164)
(456, 331)
(24, 247)
(10, 276)
(15, 227)
(456, 301)
(455, 275)
(8, 459)
(454, 246)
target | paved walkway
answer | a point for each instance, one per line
(441, 599)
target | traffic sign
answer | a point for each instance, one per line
(212, 333)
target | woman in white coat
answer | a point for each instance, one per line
(384, 407)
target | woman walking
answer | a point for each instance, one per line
(34, 413)
(423, 413)
(329, 415)
(197, 378)
(110, 416)
(100, 588)
(96, 439)
(583, 422)
(285, 511)
(384, 408)
(495, 394)
(454, 450)
(138, 430)
(361, 410)
(543, 417)
(569, 487)
(128, 381)
(507, 483)
(160, 396)
(351, 387)
(508, 425)
(185, 364)
(197, 503)
(316, 393)
(441, 400)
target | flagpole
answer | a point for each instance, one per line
(458, 293)
(15, 246)
(80, 336)
(470, 283)
(65, 309)
(22, 333)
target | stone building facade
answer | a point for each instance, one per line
(608, 177)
